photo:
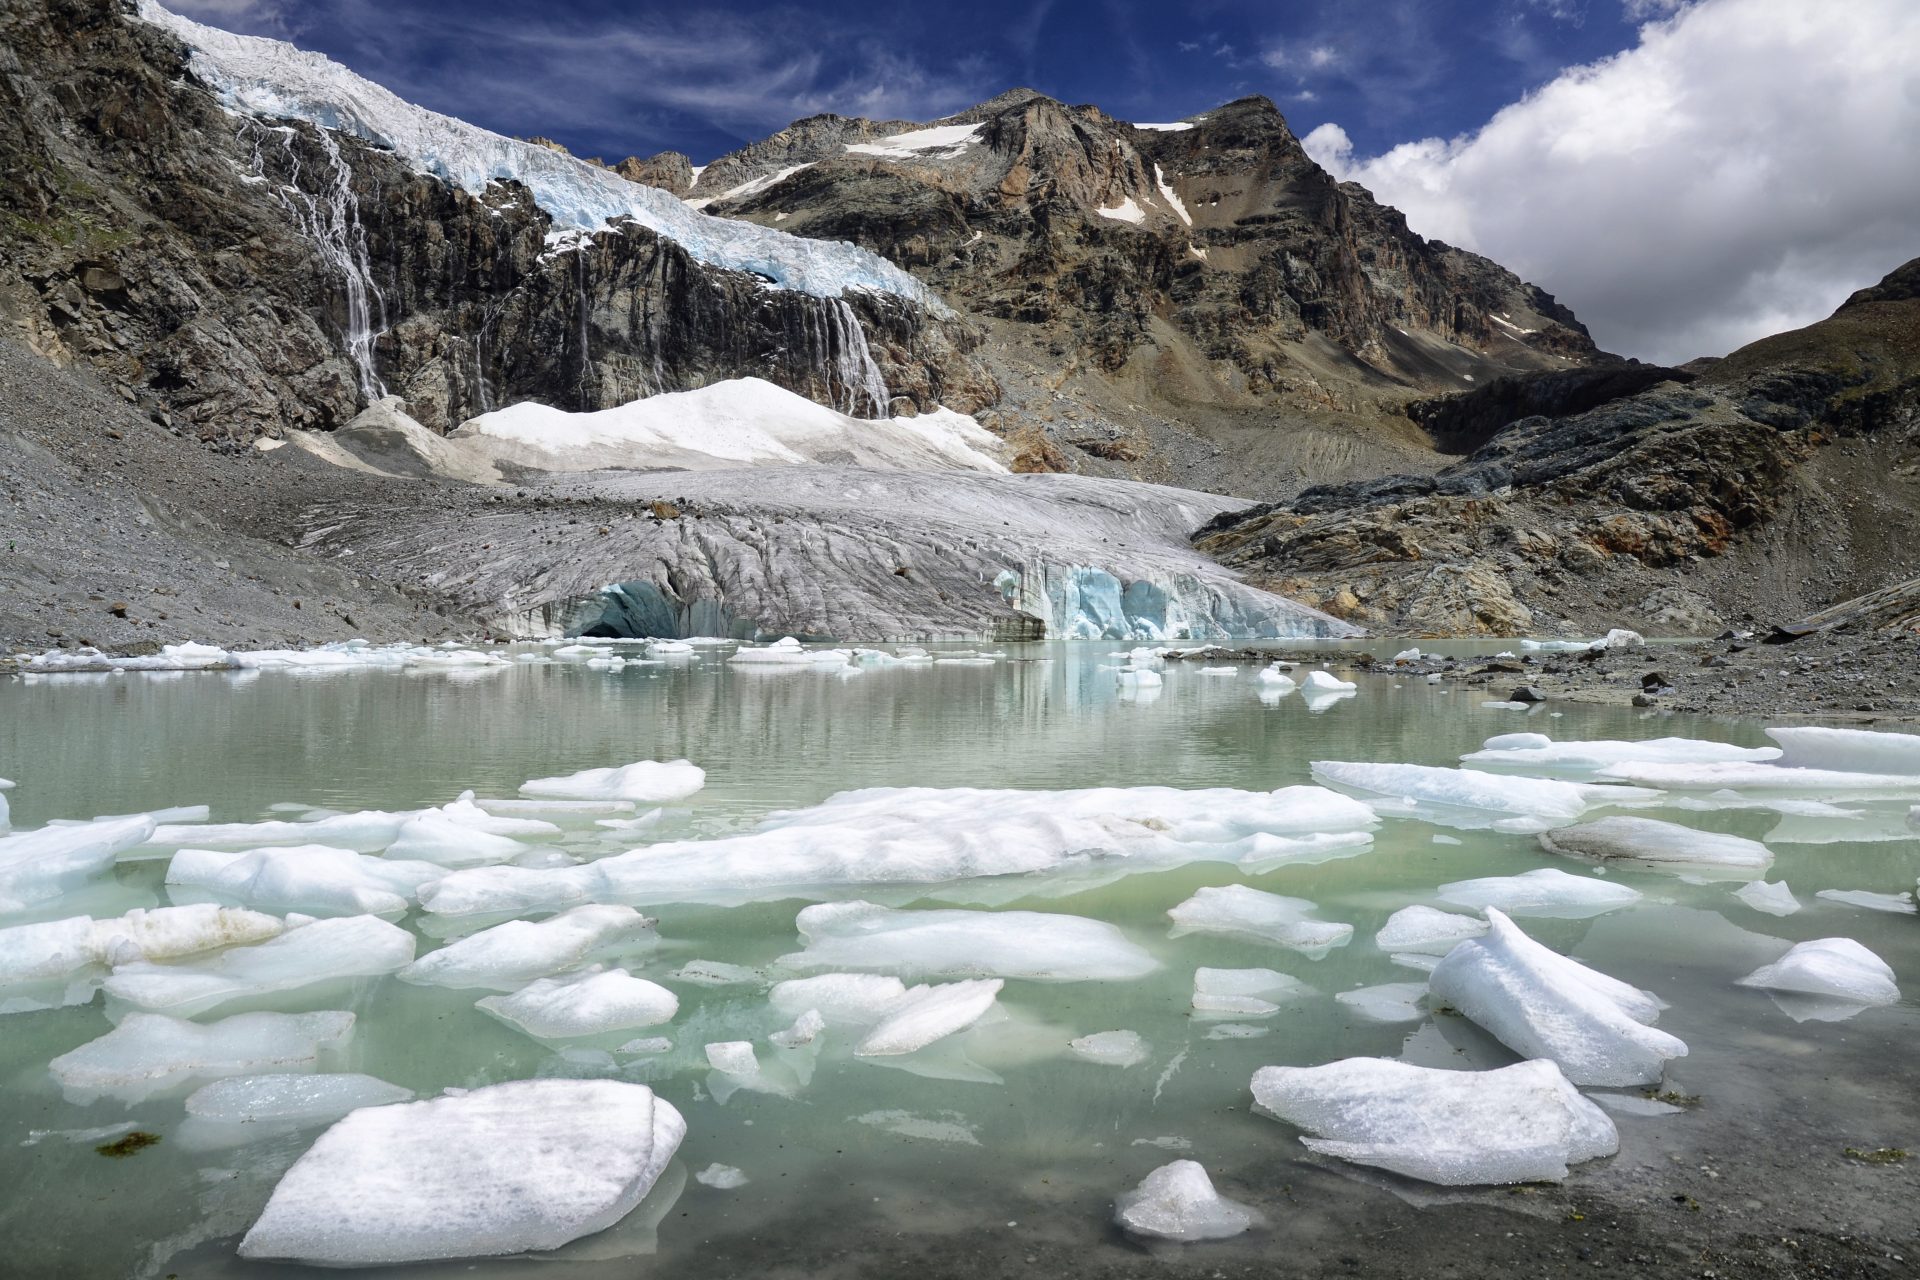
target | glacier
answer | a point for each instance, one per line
(274, 80)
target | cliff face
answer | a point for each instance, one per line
(1773, 482)
(240, 276)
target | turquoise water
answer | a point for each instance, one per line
(1037, 1137)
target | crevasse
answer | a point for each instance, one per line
(273, 80)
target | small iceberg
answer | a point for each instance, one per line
(1547, 892)
(1177, 1202)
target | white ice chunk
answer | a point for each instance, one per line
(929, 1013)
(805, 1027)
(365, 832)
(150, 1052)
(584, 1005)
(1386, 1002)
(1774, 899)
(1249, 992)
(1250, 913)
(39, 866)
(468, 812)
(1426, 929)
(1834, 968)
(1407, 655)
(435, 837)
(1274, 677)
(716, 973)
(1620, 638)
(290, 1098)
(311, 879)
(1764, 779)
(506, 1169)
(1111, 1048)
(318, 951)
(1650, 840)
(556, 808)
(961, 944)
(1323, 682)
(733, 1057)
(1849, 750)
(1532, 752)
(60, 949)
(1469, 797)
(1898, 903)
(510, 955)
(1547, 892)
(1523, 1123)
(723, 1177)
(843, 999)
(647, 782)
(1542, 1004)
(1177, 1202)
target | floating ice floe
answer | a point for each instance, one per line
(1848, 750)
(1542, 1004)
(1246, 992)
(511, 955)
(39, 866)
(1898, 903)
(584, 1004)
(1111, 1048)
(1649, 840)
(1469, 798)
(290, 1099)
(151, 1052)
(840, 999)
(570, 809)
(57, 950)
(960, 944)
(717, 973)
(925, 1014)
(434, 837)
(315, 880)
(647, 782)
(1274, 676)
(922, 835)
(722, 1177)
(1426, 929)
(805, 1028)
(506, 1169)
(1537, 753)
(1250, 913)
(1386, 1002)
(366, 832)
(1835, 969)
(1523, 1123)
(941, 1126)
(314, 952)
(1761, 778)
(1324, 682)
(1547, 892)
(733, 1057)
(1177, 1202)
(1774, 899)
(1219, 671)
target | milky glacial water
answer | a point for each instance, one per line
(867, 1158)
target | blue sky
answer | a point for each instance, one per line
(615, 79)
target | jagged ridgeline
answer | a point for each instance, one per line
(259, 239)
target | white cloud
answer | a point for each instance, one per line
(1739, 171)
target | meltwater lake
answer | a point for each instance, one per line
(1010, 1135)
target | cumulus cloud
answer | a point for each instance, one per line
(1739, 171)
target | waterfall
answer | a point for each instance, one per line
(331, 220)
(861, 383)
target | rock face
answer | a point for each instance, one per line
(1779, 479)
(244, 276)
(1145, 283)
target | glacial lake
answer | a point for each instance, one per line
(1004, 1136)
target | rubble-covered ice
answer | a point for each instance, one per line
(963, 944)
(1426, 929)
(920, 835)
(925, 1014)
(1470, 797)
(511, 955)
(505, 1169)
(316, 880)
(1849, 750)
(151, 1052)
(1177, 1202)
(40, 866)
(1653, 841)
(1246, 992)
(647, 782)
(1246, 912)
(1775, 899)
(1547, 892)
(1111, 1048)
(317, 951)
(1542, 1004)
(1832, 968)
(1523, 1123)
(584, 1004)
